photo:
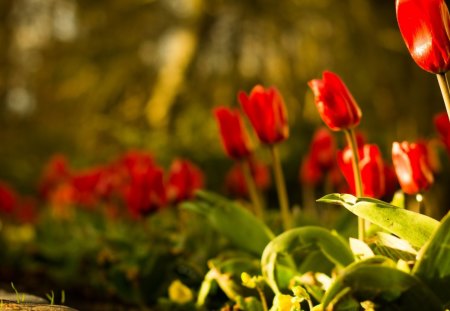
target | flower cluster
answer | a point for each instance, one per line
(16, 208)
(133, 180)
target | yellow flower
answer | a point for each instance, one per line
(179, 293)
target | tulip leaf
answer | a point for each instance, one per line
(410, 226)
(232, 220)
(377, 280)
(433, 266)
(307, 240)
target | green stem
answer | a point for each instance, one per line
(351, 139)
(262, 297)
(442, 80)
(281, 188)
(252, 191)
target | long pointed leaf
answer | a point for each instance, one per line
(410, 226)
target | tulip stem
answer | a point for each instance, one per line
(445, 91)
(351, 139)
(281, 188)
(251, 186)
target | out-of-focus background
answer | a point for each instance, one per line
(91, 79)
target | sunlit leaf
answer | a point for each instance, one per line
(433, 266)
(389, 245)
(410, 226)
(306, 239)
(377, 280)
(360, 249)
(232, 220)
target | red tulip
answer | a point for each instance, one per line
(425, 27)
(266, 111)
(232, 131)
(85, 186)
(56, 172)
(322, 149)
(371, 166)
(442, 124)
(142, 187)
(336, 105)
(145, 191)
(26, 211)
(412, 166)
(235, 180)
(320, 159)
(8, 198)
(184, 179)
(310, 172)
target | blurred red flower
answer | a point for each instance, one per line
(8, 198)
(184, 178)
(143, 185)
(320, 159)
(412, 166)
(322, 149)
(336, 105)
(235, 180)
(442, 124)
(26, 211)
(371, 166)
(232, 132)
(267, 113)
(85, 187)
(56, 171)
(310, 172)
(424, 25)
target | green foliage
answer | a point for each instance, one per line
(389, 217)
(377, 279)
(433, 265)
(232, 220)
(306, 240)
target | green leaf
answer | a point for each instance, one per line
(232, 220)
(433, 266)
(410, 226)
(376, 279)
(390, 246)
(308, 240)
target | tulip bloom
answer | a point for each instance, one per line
(412, 166)
(371, 166)
(55, 173)
(424, 25)
(310, 172)
(183, 180)
(321, 157)
(267, 113)
(322, 149)
(442, 124)
(8, 198)
(232, 131)
(336, 105)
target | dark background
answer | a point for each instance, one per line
(91, 79)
